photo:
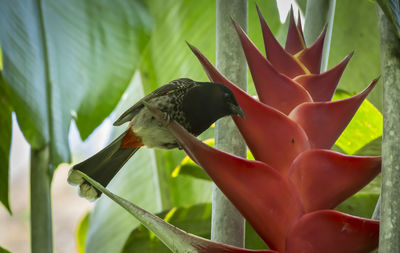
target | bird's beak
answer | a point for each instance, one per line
(236, 110)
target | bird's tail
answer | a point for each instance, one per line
(102, 167)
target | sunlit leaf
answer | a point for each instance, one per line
(81, 232)
(189, 168)
(365, 127)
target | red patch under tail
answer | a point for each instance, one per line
(131, 140)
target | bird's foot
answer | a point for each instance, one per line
(86, 190)
(166, 118)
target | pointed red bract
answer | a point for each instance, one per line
(260, 193)
(272, 138)
(322, 86)
(330, 231)
(284, 62)
(294, 40)
(325, 121)
(325, 178)
(273, 88)
(311, 57)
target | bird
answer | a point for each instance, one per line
(194, 105)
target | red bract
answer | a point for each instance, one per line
(289, 132)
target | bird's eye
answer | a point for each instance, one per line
(226, 95)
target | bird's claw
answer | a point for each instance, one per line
(166, 118)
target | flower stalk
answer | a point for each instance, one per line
(390, 202)
(319, 13)
(227, 224)
(41, 221)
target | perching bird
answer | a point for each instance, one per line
(194, 105)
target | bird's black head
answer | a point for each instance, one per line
(208, 102)
(224, 100)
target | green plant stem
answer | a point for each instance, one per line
(389, 240)
(318, 14)
(227, 224)
(41, 221)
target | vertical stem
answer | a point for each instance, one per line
(41, 221)
(390, 202)
(227, 223)
(318, 14)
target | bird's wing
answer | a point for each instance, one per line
(161, 91)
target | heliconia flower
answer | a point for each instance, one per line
(287, 192)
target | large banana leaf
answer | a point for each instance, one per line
(167, 56)
(68, 59)
(146, 179)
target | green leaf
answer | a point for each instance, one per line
(252, 240)
(355, 28)
(302, 5)
(5, 144)
(365, 126)
(391, 8)
(189, 168)
(81, 232)
(3, 250)
(194, 219)
(361, 204)
(373, 148)
(146, 180)
(65, 59)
